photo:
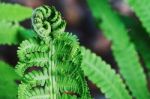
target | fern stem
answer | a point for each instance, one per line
(52, 69)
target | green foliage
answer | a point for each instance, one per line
(8, 32)
(50, 62)
(8, 86)
(123, 50)
(140, 38)
(10, 29)
(14, 12)
(11, 14)
(12, 33)
(103, 76)
(24, 33)
(141, 9)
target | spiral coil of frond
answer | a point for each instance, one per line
(50, 63)
(47, 21)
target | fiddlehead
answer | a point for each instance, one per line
(50, 64)
(47, 21)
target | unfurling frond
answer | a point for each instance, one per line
(50, 63)
(47, 21)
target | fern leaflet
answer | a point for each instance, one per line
(8, 87)
(141, 9)
(140, 39)
(103, 76)
(123, 50)
(14, 12)
(8, 32)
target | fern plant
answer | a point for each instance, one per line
(55, 57)
(51, 60)
(111, 92)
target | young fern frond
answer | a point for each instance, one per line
(50, 63)
(8, 86)
(123, 50)
(9, 12)
(141, 9)
(103, 76)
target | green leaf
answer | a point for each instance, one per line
(141, 9)
(103, 76)
(8, 87)
(25, 33)
(14, 12)
(8, 33)
(13, 33)
(123, 50)
(140, 38)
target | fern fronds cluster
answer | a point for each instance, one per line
(50, 63)
(123, 50)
